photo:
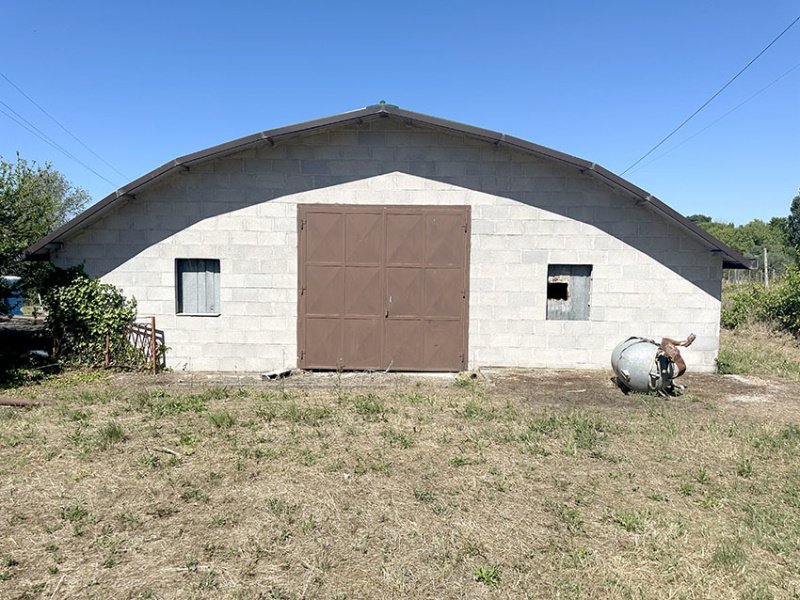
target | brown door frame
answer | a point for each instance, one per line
(302, 212)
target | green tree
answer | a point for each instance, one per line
(34, 200)
(793, 224)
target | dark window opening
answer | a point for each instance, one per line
(557, 291)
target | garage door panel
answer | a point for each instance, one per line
(363, 295)
(324, 347)
(387, 289)
(324, 235)
(404, 287)
(444, 293)
(444, 239)
(443, 345)
(363, 238)
(404, 238)
(324, 290)
(362, 343)
(403, 345)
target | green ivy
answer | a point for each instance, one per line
(81, 312)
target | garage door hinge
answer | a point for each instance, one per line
(303, 291)
(302, 224)
(302, 354)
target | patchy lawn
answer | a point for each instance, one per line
(528, 484)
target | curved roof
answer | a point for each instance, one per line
(731, 258)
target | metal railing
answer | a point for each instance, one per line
(144, 348)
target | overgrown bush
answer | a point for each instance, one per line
(743, 303)
(783, 301)
(81, 312)
(752, 302)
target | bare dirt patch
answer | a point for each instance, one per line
(520, 484)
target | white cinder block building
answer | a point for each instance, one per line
(387, 239)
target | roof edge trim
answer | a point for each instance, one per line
(731, 258)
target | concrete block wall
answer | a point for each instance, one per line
(650, 278)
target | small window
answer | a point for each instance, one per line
(197, 282)
(569, 292)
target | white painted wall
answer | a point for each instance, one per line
(650, 278)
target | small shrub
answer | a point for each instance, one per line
(81, 312)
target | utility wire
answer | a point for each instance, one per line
(25, 124)
(707, 102)
(57, 122)
(717, 120)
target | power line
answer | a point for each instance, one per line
(718, 92)
(57, 122)
(25, 124)
(717, 120)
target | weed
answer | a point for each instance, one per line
(221, 520)
(729, 554)
(701, 475)
(417, 399)
(399, 439)
(74, 513)
(110, 434)
(569, 515)
(475, 410)
(369, 406)
(487, 575)
(191, 493)
(161, 404)
(658, 496)
(280, 507)
(221, 419)
(630, 520)
(459, 461)
(463, 380)
(209, 581)
(759, 591)
(425, 496)
(745, 468)
(687, 488)
(313, 416)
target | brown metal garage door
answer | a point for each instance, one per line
(383, 287)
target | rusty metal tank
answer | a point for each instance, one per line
(641, 366)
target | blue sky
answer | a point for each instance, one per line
(144, 82)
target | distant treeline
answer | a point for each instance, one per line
(751, 239)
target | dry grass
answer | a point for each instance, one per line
(524, 488)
